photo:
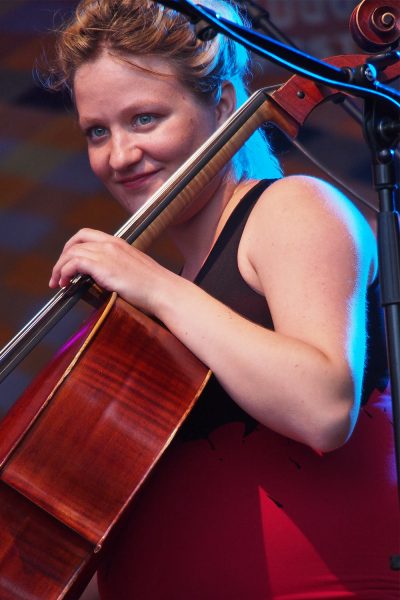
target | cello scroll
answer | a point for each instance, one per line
(375, 24)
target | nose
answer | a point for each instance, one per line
(124, 151)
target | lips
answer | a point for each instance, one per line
(136, 180)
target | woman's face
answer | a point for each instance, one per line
(140, 126)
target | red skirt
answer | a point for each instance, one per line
(262, 517)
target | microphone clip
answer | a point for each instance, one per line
(204, 31)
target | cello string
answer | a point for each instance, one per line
(126, 229)
(21, 344)
(344, 186)
(65, 298)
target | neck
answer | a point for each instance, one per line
(196, 235)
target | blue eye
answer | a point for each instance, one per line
(96, 132)
(144, 119)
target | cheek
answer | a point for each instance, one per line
(182, 145)
(181, 138)
(98, 163)
(199, 130)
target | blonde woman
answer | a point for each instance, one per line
(271, 489)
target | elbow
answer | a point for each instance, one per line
(329, 442)
(336, 428)
(338, 418)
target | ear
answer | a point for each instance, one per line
(227, 103)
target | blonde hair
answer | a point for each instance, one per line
(137, 27)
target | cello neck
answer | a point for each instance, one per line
(191, 178)
(156, 214)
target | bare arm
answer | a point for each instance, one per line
(304, 254)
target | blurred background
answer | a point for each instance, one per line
(47, 191)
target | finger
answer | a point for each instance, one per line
(87, 235)
(77, 257)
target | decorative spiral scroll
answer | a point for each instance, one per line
(375, 24)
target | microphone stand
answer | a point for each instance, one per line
(382, 132)
(208, 23)
(260, 19)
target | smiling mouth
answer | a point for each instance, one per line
(136, 180)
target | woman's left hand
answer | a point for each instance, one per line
(113, 264)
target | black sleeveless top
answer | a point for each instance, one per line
(220, 277)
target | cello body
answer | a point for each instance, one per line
(76, 447)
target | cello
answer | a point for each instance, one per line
(93, 403)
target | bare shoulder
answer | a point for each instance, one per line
(304, 195)
(302, 214)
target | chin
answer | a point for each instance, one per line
(127, 201)
(132, 200)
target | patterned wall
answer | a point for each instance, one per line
(46, 189)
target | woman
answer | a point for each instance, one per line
(267, 492)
